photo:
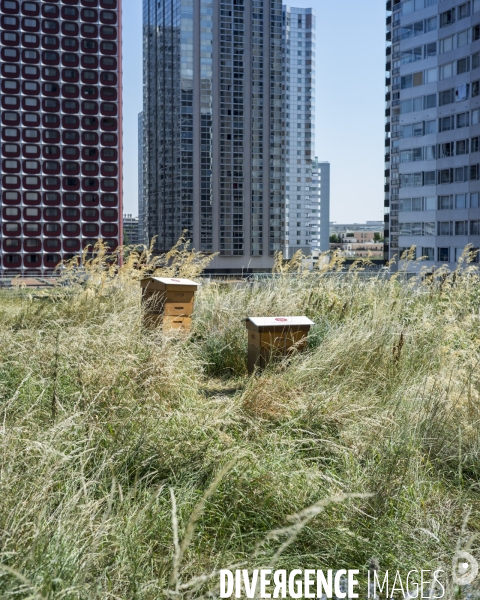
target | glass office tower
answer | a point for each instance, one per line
(213, 162)
(60, 78)
(432, 148)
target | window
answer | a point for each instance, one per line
(445, 176)
(474, 144)
(463, 65)
(446, 70)
(430, 24)
(446, 123)
(417, 204)
(464, 11)
(445, 228)
(431, 75)
(430, 49)
(430, 204)
(447, 18)
(405, 204)
(474, 227)
(445, 202)
(460, 174)
(429, 153)
(475, 60)
(428, 253)
(461, 201)
(475, 117)
(463, 38)
(446, 45)
(445, 150)
(430, 127)
(430, 101)
(461, 147)
(444, 254)
(429, 178)
(463, 120)
(411, 179)
(474, 200)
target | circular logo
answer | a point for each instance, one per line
(281, 319)
(464, 568)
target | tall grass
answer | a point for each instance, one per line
(135, 465)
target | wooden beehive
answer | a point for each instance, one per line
(168, 301)
(275, 336)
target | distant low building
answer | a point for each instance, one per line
(358, 240)
(359, 250)
(374, 226)
(131, 232)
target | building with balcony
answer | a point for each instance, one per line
(60, 79)
(432, 147)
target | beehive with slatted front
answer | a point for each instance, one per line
(168, 302)
(269, 337)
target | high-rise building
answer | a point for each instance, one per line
(432, 169)
(140, 179)
(213, 128)
(60, 78)
(299, 109)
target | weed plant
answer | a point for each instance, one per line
(136, 464)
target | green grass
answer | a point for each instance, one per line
(103, 426)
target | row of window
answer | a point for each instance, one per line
(445, 150)
(86, 107)
(29, 119)
(53, 90)
(48, 245)
(443, 254)
(52, 230)
(31, 182)
(50, 27)
(34, 261)
(459, 40)
(55, 152)
(415, 29)
(30, 244)
(52, 198)
(51, 136)
(12, 71)
(420, 128)
(88, 44)
(448, 17)
(52, 58)
(33, 8)
(49, 167)
(441, 228)
(457, 67)
(448, 202)
(33, 213)
(440, 177)
(50, 11)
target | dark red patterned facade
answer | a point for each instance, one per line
(61, 131)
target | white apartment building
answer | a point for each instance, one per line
(299, 115)
(432, 142)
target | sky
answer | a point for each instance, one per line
(350, 103)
